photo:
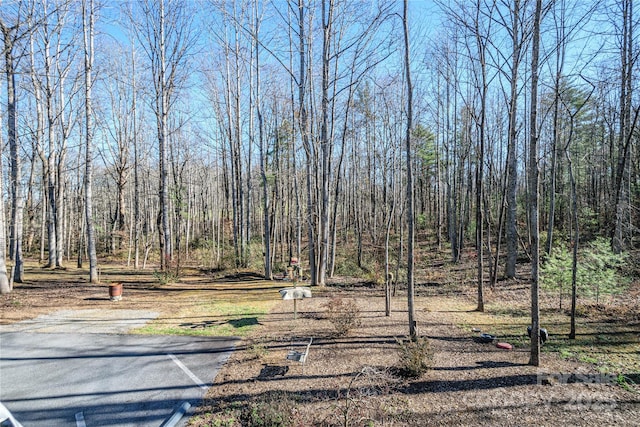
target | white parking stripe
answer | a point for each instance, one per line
(80, 420)
(188, 372)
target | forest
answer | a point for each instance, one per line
(242, 134)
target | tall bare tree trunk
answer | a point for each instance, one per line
(50, 166)
(534, 191)
(575, 238)
(325, 143)
(512, 157)
(166, 31)
(263, 152)
(304, 130)
(136, 166)
(87, 29)
(621, 233)
(481, 45)
(17, 200)
(163, 143)
(5, 285)
(413, 330)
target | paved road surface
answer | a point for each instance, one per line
(97, 379)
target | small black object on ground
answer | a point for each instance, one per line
(485, 338)
(544, 335)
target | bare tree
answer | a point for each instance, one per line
(304, 124)
(262, 146)
(136, 164)
(88, 18)
(575, 232)
(59, 116)
(166, 33)
(627, 124)
(5, 284)
(413, 331)
(534, 190)
(11, 36)
(512, 156)
(481, 36)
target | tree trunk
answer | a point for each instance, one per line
(163, 143)
(388, 276)
(413, 331)
(575, 242)
(263, 156)
(5, 286)
(87, 27)
(325, 143)
(304, 130)
(481, 45)
(512, 156)
(17, 200)
(50, 162)
(136, 167)
(534, 191)
(620, 238)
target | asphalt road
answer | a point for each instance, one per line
(97, 379)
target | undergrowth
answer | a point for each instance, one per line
(415, 357)
(343, 313)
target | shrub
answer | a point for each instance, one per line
(264, 414)
(355, 404)
(343, 313)
(165, 277)
(270, 410)
(257, 351)
(415, 357)
(348, 266)
(373, 273)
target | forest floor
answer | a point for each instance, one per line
(352, 379)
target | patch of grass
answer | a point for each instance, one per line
(586, 358)
(215, 318)
(625, 382)
(517, 312)
(566, 354)
(613, 352)
(629, 382)
(612, 347)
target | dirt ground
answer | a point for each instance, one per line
(353, 380)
